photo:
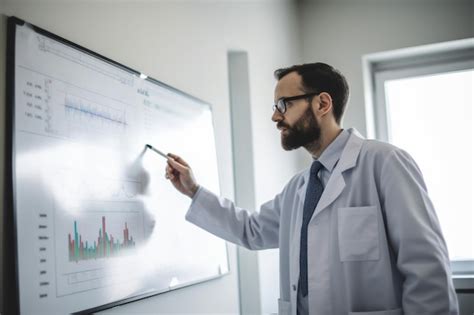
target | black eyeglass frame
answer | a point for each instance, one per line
(282, 101)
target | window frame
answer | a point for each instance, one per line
(405, 63)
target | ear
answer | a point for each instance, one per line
(325, 104)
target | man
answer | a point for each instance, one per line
(357, 231)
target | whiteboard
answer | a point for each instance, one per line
(96, 221)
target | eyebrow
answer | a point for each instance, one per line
(284, 97)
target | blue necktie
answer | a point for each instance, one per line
(313, 194)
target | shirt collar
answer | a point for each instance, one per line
(333, 151)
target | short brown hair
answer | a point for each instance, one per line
(320, 77)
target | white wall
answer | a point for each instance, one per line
(185, 44)
(339, 32)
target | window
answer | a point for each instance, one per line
(421, 100)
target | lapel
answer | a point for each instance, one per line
(336, 183)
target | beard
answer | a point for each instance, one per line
(305, 130)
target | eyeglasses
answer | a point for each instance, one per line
(281, 104)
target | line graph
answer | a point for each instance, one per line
(92, 113)
(87, 111)
(61, 109)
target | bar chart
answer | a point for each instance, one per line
(106, 245)
(94, 241)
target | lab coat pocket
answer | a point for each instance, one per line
(358, 233)
(284, 307)
(397, 311)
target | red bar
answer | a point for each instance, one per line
(69, 245)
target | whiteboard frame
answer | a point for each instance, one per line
(11, 272)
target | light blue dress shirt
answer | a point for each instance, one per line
(328, 159)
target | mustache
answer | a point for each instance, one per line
(282, 125)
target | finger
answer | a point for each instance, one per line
(170, 173)
(171, 176)
(174, 156)
(170, 169)
(178, 159)
(176, 166)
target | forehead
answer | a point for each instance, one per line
(289, 85)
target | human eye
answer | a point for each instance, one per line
(289, 103)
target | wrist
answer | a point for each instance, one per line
(193, 191)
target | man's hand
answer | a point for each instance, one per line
(181, 175)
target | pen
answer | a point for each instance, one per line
(157, 151)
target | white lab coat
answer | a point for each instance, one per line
(375, 245)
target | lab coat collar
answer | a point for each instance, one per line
(332, 153)
(336, 182)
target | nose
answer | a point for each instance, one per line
(277, 116)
